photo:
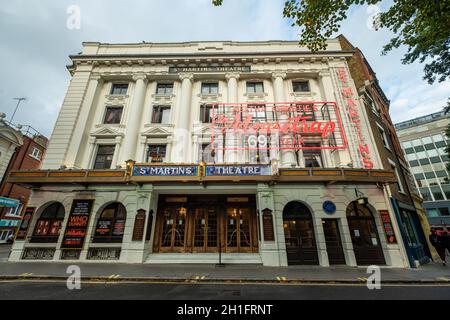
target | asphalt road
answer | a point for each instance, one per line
(166, 291)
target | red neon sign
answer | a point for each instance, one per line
(278, 126)
(353, 114)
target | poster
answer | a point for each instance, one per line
(25, 224)
(77, 224)
(387, 226)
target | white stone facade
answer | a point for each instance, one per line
(80, 130)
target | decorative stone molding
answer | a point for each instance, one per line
(279, 74)
(140, 76)
(116, 98)
(233, 75)
(187, 76)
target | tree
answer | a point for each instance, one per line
(423, 26)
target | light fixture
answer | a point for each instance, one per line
(363, 201)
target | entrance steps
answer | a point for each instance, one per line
(203, 258)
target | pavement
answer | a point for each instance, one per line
(433, 273)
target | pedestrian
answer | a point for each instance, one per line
(436, 241)
(445, 240)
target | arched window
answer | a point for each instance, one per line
(111, 224)
(49, 224)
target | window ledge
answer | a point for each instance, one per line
(163, 96)
(35, 158)
(256, 95)
(303, 94)
(110, 125)
(117, 96)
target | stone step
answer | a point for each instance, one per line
(203, 258)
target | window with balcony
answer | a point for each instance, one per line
(210, 88)
(255, 87)
(161, 114)
(206, 113)
(113, 115)
(104, 157)
(164, 89)
(313, 157)
(156, 153)
(119, 89)
(300, 86)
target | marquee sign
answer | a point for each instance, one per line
(165, 171)
(244, 170)
(210, 69)
(278, 126)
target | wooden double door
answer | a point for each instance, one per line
(192, 226)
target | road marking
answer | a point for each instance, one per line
(363, 279)
(280, 279)
(26, 274)
(444, 279)
(114, 276)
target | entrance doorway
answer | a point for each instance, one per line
(333, 241)
(364, 234)
(206, 224)
(301, 248)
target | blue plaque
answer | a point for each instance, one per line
(329, 207)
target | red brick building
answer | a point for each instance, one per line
(29, 156)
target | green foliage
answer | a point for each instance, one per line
(423, 26)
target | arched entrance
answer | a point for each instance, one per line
(49, 224)
(110, 226)
(298, 226)
(365, 239)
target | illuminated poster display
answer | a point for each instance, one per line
(77, 224)
(278, 126)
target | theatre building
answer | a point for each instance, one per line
(208, 152)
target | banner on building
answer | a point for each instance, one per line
(77, 224)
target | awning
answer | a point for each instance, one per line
(7, 202)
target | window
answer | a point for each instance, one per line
(161, 114)
(48, 226)
(15, 211)
(207, 154)
(399, 181)
(409, 150)
(432, 213)
(36, 153)
(383, 136)
(210, 88)
(444, 212)
(407, 144)
(313, 158)
(156, 153)
(164, 89)
(255, 87)
(258, 112)
(113, 115)
(205, 113)
(419, 148)
(426, 195)
(438, 138)
(437, 193)
(300, 86)
(111, 224)
(417, 143)
(104, 157)
(119, 89)
(372, 104)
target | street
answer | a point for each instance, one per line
(52, 290)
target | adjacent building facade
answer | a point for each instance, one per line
(424, 142)
(404, 195)
(176, 152)
(28, 156)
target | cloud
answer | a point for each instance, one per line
(35, 44)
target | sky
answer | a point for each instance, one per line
(35, 44)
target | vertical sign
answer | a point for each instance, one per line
(387, 226)
(267, 217)
(139, 226)
(352, 110)
(77, 224)
(25, 224)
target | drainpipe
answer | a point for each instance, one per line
(387, 198)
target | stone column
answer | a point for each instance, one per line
(181, 141)
(288, 158)
(232, 156)
(134, 120)
(81, 131)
